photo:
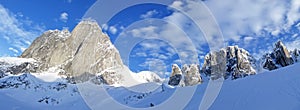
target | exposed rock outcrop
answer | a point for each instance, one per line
(279, 57)
(295, 55)
(269, 63)
(50, 49)
(176, 75)
(18, 67)
(282, 55)
(231, 62)
(187, 76)
(191, 74)
(85, 50)
(92, 50)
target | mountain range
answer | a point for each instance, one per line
(54, 71)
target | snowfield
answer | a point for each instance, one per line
(274, 90)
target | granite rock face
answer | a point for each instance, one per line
(230, 62)
(295, 55)
(176, 76)
(91, 50)
(282, 55)
(187, 76)
(85, 50)
(279, 57)
(191, 74)
(269, 62)
(50, 49)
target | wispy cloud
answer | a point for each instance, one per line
(12, 29)
(13, 49)
(246, 23)
(113, 29)
(149, 14)
(64, 17)
(156, 65)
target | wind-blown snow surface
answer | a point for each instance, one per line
(275, 90)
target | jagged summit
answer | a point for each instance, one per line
(92, 50)
(86, 54)
(187, 76)
(85, 50)
(279, 57)
(230, 62)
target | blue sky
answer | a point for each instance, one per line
(158, 35)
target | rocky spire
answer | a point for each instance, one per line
(282, 55)
(187, 76)
(279, 57)
(230, 62)
(191, 74)
(296, 55)
(176, 75)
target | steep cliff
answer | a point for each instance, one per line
(85, 50)
(279, 57)
(230, 62)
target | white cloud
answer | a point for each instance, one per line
(141, 54)
(177, 4)
(64, 17)
(148, 45)
(236, 19)
(154, 49)
(155, 65)
(295, 35)
(169, 33)
(12, 29)
(13, 49)
(149, 14)
(6, 38)
(247, 16)
(248, 39)
(104, 27)
(293, 44)
(293, 12)
(113, 29)
(239, 18)
(275, 32)
(146, 32)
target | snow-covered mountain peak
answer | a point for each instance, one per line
(87, 53)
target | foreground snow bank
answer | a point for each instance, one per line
(274, 90)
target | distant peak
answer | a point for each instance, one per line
(87, 24)
(279, 44)
(88, 21)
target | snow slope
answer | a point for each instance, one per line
(25, 91)
(274, 90)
